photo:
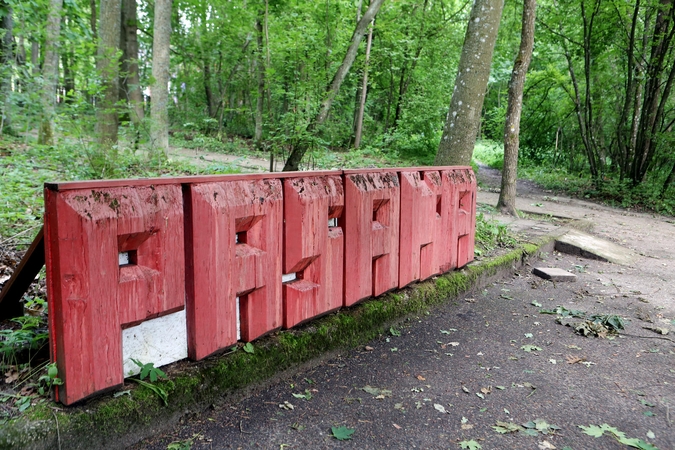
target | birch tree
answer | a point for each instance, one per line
(463, 119)
(159, 130)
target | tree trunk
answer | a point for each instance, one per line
(107, 65)
(7, 60)
(50, 73)
(293, 162)
(364, 90)
(259, 64)
(507, 196)
(92, 18)
(463, 119)
(68, 76)
(133, 80)
(160, 72)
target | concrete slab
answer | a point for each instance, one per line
(576, 242)
(554, 274)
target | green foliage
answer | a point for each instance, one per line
(148, 370)
(248, 348)
(30, 336)
(47, 381)
(342, 433)
(491, 234)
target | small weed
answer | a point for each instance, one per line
(149, 370)
(491, 234)
(31, 337)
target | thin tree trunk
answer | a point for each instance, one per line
(68, 76)
(293, 162)
(92, 18)
(463, 119)
(35, 58)
(7, 60)
(134, 93)
(107, 65)
(267, 56)
(259, 64)
(507, 196)
(160, 72)
(50, 73)
(364, 90)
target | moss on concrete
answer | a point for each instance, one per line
(126, 418)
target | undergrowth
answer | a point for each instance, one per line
(611, 191)
(24, 168)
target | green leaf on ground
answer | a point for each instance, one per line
(536, 303)
(248, 348)
(506, 427)
(470, 445)
(377, 392)
(648, 414)
(646, 403)
(530, 348)
(620, 436)
(342, 433)
(394, 331)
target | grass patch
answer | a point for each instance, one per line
(25, 168)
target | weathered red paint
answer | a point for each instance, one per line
(418, 226)
(371, 226)
(224, 237)
(91, 297)
(463, 233)
(313, 250)
(233, 249)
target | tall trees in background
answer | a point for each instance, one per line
(598, 98)
(293, 161)
(473, 72)
(160, 73)
(507, 195)
(6, 60)
(50, 73)
(108, 66)
(131, 80)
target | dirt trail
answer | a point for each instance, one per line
(447, 377)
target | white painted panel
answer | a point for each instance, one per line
(159, 341)
(238, 321)
(286, 277)
(123, 258)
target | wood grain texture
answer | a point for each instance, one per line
(91, 297)
(312, 249)
(371, 225)
(220, 269)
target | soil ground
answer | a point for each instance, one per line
(448, 376)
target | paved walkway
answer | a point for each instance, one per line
(447, 377)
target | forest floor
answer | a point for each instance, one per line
(489, 369)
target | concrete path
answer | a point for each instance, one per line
(446, 379)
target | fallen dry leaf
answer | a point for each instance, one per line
(573, 359)
(396, 426)
(546, 445)
(467, 426)
(11, 376)
(486, 390)
(26, 391)
(421, 378)
(369, 348)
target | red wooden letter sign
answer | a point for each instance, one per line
(233, 249)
